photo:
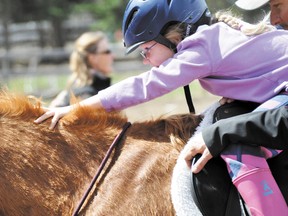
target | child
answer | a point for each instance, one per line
(176, 39)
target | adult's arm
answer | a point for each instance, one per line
(268, 129)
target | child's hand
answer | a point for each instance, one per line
(56, 113)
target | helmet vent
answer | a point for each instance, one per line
(130, 18)
(168, 2)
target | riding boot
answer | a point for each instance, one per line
(261, 193)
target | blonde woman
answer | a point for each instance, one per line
(91, 63)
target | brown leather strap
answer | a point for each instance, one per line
(100, 168)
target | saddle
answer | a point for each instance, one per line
(212, 188)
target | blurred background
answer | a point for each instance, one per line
(37, 36)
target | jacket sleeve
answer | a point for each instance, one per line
(61, 100)
(268, 129)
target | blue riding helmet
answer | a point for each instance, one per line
(146, 20)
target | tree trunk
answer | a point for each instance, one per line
(57, 32)
(5, 63)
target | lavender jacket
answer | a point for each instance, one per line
(226, 62)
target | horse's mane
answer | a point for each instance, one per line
(25, 107)
(19, 105)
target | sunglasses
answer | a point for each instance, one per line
(144, 52)
(105, 52)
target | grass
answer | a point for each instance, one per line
(38, 84)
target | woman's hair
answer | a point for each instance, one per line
(176, 32)
(86, 44)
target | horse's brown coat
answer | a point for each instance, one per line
(45, 172)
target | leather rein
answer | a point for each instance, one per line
(100, 168)
(116, 141)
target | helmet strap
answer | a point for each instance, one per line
(164, 41)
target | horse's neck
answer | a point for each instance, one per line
(154, 131)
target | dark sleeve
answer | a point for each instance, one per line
(61, 100)
(268, 129)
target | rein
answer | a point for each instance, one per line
(112, 146)
(189, 99)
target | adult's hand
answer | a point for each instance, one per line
(198, 147)
(225, 100)
(55, 113)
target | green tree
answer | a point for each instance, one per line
(107, 13)
(54, 11)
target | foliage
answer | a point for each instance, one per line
(108, 13)
(214, 6)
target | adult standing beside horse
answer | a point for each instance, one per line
(91, 63)
(278, 8)
(182, 47)
(279, 13)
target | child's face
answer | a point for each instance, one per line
(155, 53)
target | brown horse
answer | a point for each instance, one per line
(46, 172)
